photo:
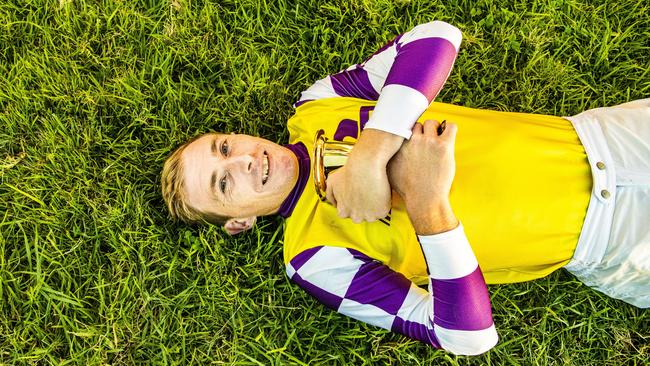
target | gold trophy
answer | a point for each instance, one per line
(328, 156)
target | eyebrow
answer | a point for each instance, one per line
(213, 179)
(213, 182)
(215, 146)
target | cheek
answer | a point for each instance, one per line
(285, 164)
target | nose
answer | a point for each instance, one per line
(245, 162)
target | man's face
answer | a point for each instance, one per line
(238, 175)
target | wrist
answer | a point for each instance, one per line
(377, 146)
(432, 218)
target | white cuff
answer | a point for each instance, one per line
(467, 342)
(448, 254)
(397, 110)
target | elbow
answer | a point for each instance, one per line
(440, 29)
(439, 25)
(468, 343)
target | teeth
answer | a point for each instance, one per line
(265, 163)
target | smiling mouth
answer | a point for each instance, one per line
(265, 173)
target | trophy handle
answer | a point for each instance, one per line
(318, 167)
(328, 156)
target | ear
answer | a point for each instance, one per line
(236, 226)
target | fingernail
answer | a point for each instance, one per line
(442, 127)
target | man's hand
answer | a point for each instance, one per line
(422, 173)
(360, 188)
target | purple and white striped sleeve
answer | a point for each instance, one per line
(404, 77)
(455, 314)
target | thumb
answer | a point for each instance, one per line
(329, 193)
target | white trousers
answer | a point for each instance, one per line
(613, 252)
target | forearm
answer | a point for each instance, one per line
(422, 173)
(454, 314)
(404, 78)
(376, 147)
(422, 61)
(457, 279)
(434, 218)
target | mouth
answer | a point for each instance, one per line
(265, 166)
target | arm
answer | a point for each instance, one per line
(404, 77)
(454, 314)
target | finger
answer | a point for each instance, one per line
(450, 132)
(417, 128)
(370, 219)
(431, 127)
(379, 216)
(329, 194)
(342, 212)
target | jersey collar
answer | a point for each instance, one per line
(290, 202)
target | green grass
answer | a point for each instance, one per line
(94, 95)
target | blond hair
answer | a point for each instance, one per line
(172, 184)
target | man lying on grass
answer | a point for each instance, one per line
(534, 193)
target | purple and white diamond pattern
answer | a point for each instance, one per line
(454, 314)
(403, 77)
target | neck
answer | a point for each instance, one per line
(302, 157)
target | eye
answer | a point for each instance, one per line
(224, 148)
(222, 185)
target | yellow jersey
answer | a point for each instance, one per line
(521, 190)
